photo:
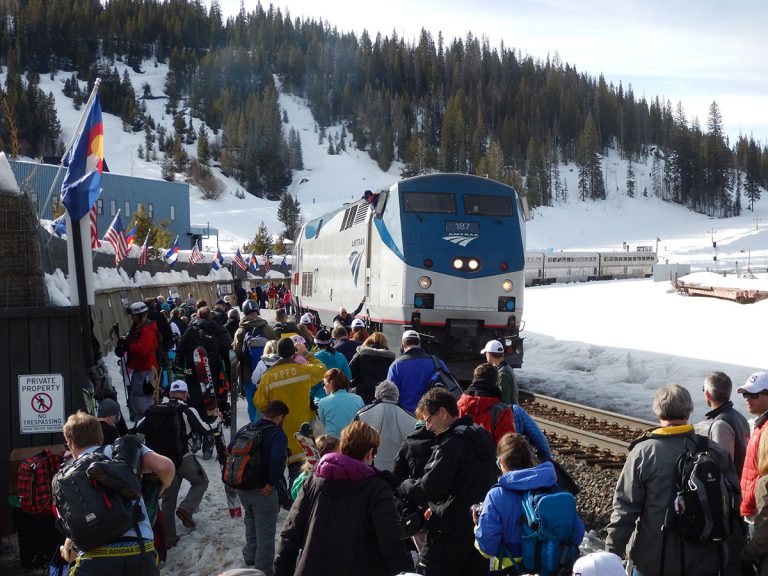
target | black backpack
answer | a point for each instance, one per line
(165, 432)
(244, 468)
(212, 349)
(442, 378)
(702, 505)
(97, 499)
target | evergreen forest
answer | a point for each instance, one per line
(456, 106)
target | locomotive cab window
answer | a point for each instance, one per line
(429, 202)
(484, 205)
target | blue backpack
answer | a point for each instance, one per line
(254, 342)
(548, 520)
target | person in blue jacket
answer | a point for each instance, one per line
(331, 358)
(526, 426)
(412, 371)
(498, 533)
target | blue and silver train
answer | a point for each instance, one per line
(443, 254)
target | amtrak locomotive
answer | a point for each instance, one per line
(443, 254)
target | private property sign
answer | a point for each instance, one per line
(41, 403)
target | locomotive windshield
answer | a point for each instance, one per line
(429, 202)
(483, 205)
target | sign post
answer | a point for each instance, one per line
(41, 403)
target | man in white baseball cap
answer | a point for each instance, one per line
(599, 564)
(412, 371)
(494, 354)
(755, 393)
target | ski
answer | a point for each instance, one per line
(233, 390)
(233, 502)
(307, 442)
(205, 377)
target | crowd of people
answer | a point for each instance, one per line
(405, 475)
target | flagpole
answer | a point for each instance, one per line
(75, 134)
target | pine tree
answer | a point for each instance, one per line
(203, 148)
(160, 239)
(630, 180)
(262, 241)
(289, 214)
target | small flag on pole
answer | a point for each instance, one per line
(196, 255)
(144, 251)
(173, 254)
(253, 263)
(95, 242)
(130, 236)
(218, 260)
(239, 262)
(115, 235)
(265, 261)
(59, 226)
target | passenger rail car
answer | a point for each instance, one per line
(441, 253)
(552, 267)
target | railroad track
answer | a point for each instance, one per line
(598, 437)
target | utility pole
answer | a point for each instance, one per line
(714, 245)
(756, 219)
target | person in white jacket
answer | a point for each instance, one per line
(390, 420)
(268, 358)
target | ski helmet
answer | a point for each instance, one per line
(250, 306)
(137, 308)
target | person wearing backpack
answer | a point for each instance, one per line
(255, 468)
(648, 488)
(458, 474)
(499, 529)
(141, 346)
(370, 365)
(167, 428)
(482, 401)
(505, 379)
(108, 547)
(250, 338)
(413, 371)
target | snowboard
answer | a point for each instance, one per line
(205, 377)
(233, 390)
(307, 442)
(233, 502)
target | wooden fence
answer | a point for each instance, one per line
(35, 341)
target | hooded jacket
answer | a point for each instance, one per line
(248, 323)
(411, 374)
(459, 473)
(142, 347)
(369, 366)
(290, 382)
(750, 473)
(482, 401)
(415, 452)
(498, 529)
(347, 347)
(757, 548)
(643, 495)
(345, 520)
(393, 424)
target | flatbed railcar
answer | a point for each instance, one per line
(442, 254)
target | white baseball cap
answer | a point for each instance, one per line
(179, 386)
(493, 346)
(305, 319)
(599, 564)
(410, 334)
(758, 382)
(358, 323)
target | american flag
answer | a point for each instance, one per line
(144, 251)
(196, 255)
(115, 236)
(95, 242)
(239, 262)
(265, 262)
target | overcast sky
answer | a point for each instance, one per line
(694, 51)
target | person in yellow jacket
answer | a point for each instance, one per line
(289, 381)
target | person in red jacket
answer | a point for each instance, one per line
(755, 393)
(482, 401)
(142, 358)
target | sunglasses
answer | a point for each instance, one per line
(751, 395)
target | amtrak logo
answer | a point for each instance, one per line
(461, 239)
(354, 264)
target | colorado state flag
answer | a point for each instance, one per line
(82, 182)
(173, 254)
(130, 236)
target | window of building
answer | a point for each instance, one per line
(173, 212)
(139, 206)
(150, 209)
(127, 209)
(99, 206)
(112, 208)
(35, 199)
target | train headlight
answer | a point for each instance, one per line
(425, 282)
(507, 285)
(473, 264)
(458, 263)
